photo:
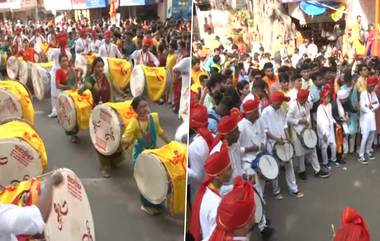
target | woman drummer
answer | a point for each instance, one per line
(143, 131)
(66, 79)
(99, 85)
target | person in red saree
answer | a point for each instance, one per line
(236, 213)
(27, 52)
(353, 228)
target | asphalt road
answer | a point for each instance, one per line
(114, 202)
(311, 217)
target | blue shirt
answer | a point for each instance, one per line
(213, 122)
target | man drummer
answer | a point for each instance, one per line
(298, 117)
(145, 56)
(252, 141)
(18, 40)
(218, 170)
(30, 220)
(109, 49)
(81, 44)
(277, 133)
(95, 43)
(236, 213)
(37, 40)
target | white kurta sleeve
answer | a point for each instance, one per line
(102, 51)
(291, 116)
(117, 52)
(21, 220)
(322, 122)
(197, 159)
(375, 101)
(364, 102)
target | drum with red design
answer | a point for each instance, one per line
(70, 217)
(13, 65)
(107, 124)
(22, 152)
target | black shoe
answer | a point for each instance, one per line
(371, 156)
(267, 233)
(341, 161)
(322, 174)
(268, 222)
(302, 175)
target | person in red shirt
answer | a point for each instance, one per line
(27, 52)
(270, 78)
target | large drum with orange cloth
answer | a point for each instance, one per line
(119, 72)
(154, 81)
(41, 79)
(160, 175)
(13, 65)
(107, 124)
(74, 110)
(22, 152)
(15, 101)
(70, 218)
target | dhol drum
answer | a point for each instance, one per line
(160, 175)
(74, 110)
(267, 166)
(15, 101)
(259, 205)
(70, 218)
(119, 72)
(309, 138)
(107, 124)
(25, 72)
(13, 65)
(155, 81)
(41, 79)
(182, 133)
(22, 152)
(283, 152)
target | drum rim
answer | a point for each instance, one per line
(274, 161)
(14, 97)
(122, 128)
(16, 60)
(274, 148)
(262, 205)
(302, 141)
(168, 180)
(38, 68)
(75, 113)
(25, 87)
(27, 70)
(131, 82)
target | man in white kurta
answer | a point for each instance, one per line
(183, 67)
(368, 105)
(276, 128)
(37, 40)
(325, 129)
(144, 56)
(81, 44)
(16, 220)
(298, 118)
(95, 43)
(109, 49)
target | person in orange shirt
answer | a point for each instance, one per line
(27, 52)
(270, 78)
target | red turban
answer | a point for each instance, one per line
(198, 116)
(302, 95)
(372, 80)
(278, 97)
(325, 91)
(353, 227)
(215, 164)
(18, 30)
(193, 97)
(227, 124)
(37, 30)
(251, 105)
(147, 41)
(62, 41)
(82, 32)
(236, 210)
(108, 34)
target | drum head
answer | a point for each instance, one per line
(24, 72)
(40, 79)
(151, 178)
(259, 214)
(268, 167)
(66, 115)
(18, 160)
(105, 129)
(71, 217)
(137, 81)
(309, 138)
(13, 67)
(284, 152)
(182, 133)
(10, 107)
(81, 63)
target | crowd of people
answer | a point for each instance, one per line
(246, 103)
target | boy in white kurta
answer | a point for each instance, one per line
(325, 129)
(298, 118)
(368, 105)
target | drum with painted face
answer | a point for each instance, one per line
(41, 79)
(70, 218)
(15, 101)
(154, 81)
(283, 152)
(13, 66)
(74, 110)
(107, 124)
(160, 175)
(22, 152)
